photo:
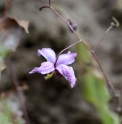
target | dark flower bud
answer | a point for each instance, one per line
(73, 25)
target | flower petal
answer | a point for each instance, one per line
(66, 59)
(68, 73)
(48, 54)
(45, 68)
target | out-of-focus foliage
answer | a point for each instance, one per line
(10, 34)
(93, 86)
(11, 30)
(2, 65)
(10, 112)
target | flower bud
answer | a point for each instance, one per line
(73, 25)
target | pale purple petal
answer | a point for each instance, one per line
(66, 59)
(68, 73)
(48, 54)
(45, 68)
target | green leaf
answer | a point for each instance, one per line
(95, 92)
(4, 51)
(10, 112)
(94, 88)
(83, 56)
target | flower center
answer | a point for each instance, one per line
(58, 73)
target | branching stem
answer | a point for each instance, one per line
(61, 19)
(109, 85)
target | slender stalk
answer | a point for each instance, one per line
(65, 50)
(92, 52)
(111, 26)
(49, 2)
(106, 79)
(19, 92)
(61, 19)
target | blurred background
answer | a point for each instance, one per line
(53, 101)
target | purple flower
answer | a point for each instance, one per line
(58, 66)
